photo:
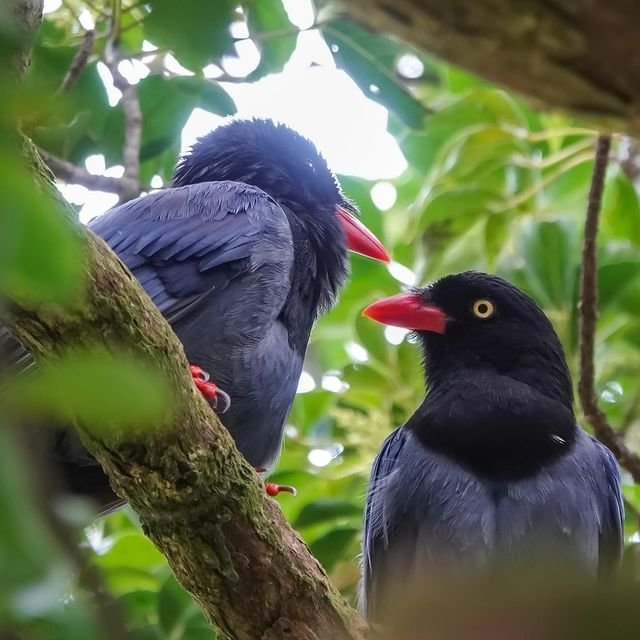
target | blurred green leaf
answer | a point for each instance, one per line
(331, 547)
(325, 510)
(40, 251)
(549, 249)
(85, 384)
(177, 612)
(166, 104)
(621, 209)
(468, 201)
(133, 552)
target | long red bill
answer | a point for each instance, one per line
(407, 310)
(359, 238)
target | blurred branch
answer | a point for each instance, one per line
(72, 174)
(588, 318)
(571, 48)
(130, 107)
(79, 61)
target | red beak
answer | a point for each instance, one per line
(407, 310)
(359, 238)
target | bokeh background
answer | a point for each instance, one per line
(450, 172)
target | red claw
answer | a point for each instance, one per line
(208, 389)
(274, 489)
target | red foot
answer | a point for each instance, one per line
(208, 389)
(274, 489)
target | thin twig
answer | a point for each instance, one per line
(70, 173)
(588, 317)
(132, 129)
(130, 107)
(79, 61)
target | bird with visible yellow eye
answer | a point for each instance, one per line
(483, 309)
(492, 467)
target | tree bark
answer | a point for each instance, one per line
(198, 499)
(577, 55)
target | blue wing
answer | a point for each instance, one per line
(611, 543)
(185, 242)
(375, 529)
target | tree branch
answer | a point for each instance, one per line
(197, 498)
(130, 107)
(588, 317)
(79, 61)
(580, 56)
(70, 173)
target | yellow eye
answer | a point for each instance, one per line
(483, 309)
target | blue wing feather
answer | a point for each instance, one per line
(181, 242)
(611, 544)
(383, 466)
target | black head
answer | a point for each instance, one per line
(289, 168)
(494, 366)
(480, 322)
(267, 155)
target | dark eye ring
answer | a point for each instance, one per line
(483, 309)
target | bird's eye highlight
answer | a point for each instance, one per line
(483, 309)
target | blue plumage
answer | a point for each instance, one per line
(492, 467)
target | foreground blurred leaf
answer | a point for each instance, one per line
(40, 251)
(103, 391)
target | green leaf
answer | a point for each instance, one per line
(326, 510)
(106, 392)
(71, 125)
(41, 255)
(124, 579)
(477, 146)
(197, 34)
(480, 107)
(175, 608)
(166, 104)
(614, 280)
(139, 606)
(331, 547)
(496, 233)
(371, 336)
(621, 209)
(265, 18)
(133, 551)
(544, 262)
(469, 202)
(370, 60)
